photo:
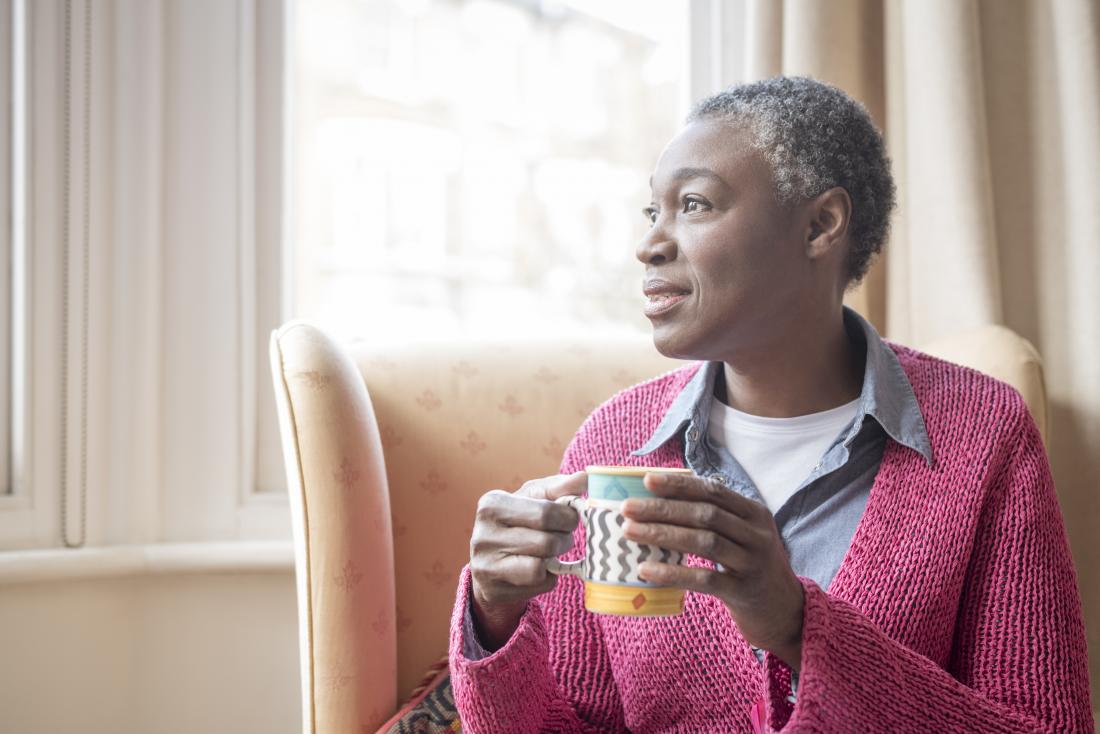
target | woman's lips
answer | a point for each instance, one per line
(659, 303)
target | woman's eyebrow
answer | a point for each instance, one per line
(684, 174)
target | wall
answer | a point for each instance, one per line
(165, 653)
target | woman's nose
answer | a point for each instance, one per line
(656, 247)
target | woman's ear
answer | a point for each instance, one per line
(830, 213)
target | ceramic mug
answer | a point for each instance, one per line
(610, 565)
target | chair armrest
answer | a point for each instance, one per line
(338, 494)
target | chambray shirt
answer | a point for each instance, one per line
(817, 522)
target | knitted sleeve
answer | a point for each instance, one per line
(1018, 661)
(553, 675)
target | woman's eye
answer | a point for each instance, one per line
(694, 205)
(650, 213)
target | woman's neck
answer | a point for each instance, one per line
(815, 368)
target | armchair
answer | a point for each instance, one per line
(387, 450)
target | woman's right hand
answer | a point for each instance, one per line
(514, 533)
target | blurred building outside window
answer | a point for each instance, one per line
(477, 168)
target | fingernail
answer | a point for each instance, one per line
(659, 480)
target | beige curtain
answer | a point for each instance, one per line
(991, 110)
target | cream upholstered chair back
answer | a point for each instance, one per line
(387, 450)
(1002, 353)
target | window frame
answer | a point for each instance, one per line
(29, 513)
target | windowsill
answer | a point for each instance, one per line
(120, 561)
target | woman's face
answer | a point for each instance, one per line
(726, 264)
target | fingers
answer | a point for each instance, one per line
(520, 571)
(707, 544)
(508, 579)
(551, 488)
(702, 580)
(513, 510)
(518, 541)
(702, 515)
(700, 489)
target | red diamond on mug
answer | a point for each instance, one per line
(638, 601)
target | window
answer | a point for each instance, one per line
(445, 157)
(467, 167)
(150, 135)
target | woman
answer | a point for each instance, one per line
(873, 537)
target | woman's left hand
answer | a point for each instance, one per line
(756, 583)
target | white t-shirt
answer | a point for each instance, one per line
(778, 453)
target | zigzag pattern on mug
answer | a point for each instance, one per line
(604, 535)
(610, 557)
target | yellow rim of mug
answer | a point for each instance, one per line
(633, 601)
(633, 471)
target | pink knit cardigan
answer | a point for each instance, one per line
(956, 608)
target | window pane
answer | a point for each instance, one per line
(478, 166)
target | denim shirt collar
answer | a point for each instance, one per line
(887, 396)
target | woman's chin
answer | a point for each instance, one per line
(672, 343)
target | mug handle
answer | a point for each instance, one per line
(568, 568)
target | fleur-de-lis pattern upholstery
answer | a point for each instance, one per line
(387, 451)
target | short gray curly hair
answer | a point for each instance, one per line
(816, 137)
